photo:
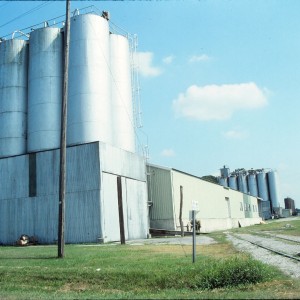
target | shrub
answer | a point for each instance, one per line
(232, 272)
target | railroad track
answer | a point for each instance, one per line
(276, 236)
(276, 251)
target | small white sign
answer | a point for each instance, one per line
(195, 205)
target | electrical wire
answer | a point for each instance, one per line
(27, 13)
(4, 4)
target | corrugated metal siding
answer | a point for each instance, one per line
(117, 161)
(38, 216)
(134, 197)
(161, 194)
(14, 177)
(137, 210)
(85, 217)
(109, 208)
(218, 206)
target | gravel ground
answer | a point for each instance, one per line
(290, 237)
(288, 266)
(187, 240)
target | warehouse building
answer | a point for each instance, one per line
(101, 141)
(219, 207)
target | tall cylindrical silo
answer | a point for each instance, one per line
(273, 188)
(242, 183)
(252, 184)
(122, 110)
(223, 181)
(232, 182)
(13, 97)
(262, 185)
(89, 105)
(225, 172)
(45, 79)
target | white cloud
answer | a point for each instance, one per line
(235, 134)
(168, 59)
(199, 58)
(218, 102)
(144, 60)
(168, 153)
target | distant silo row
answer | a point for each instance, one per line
(258, 183)
(99, 101)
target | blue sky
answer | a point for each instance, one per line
(219, 80)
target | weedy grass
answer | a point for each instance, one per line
(140, 272)
(277, 226)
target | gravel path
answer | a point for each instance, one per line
(288, 266)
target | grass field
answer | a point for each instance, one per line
(141, 272)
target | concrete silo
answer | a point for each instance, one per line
(121, 93)
(273, 188)
(89, 105)
(13, 97)
(45, 89)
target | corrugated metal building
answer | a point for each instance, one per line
(29, 195)
(219, 207)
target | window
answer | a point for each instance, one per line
(241, 207)
(32, 174)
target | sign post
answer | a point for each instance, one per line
(195, 208)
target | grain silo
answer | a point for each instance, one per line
(262, 185)
(89, 105)
(94, 164)
(232, 182)
(45, 89)
(13, 97)
(122, 117)
(273, 188)
(223, 181)
(252, 183)
(242, 182)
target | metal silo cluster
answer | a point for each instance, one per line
(262, 183)
(100, 104)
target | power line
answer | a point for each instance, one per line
(4, 4)
(27, 13)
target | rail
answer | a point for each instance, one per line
(269, 249)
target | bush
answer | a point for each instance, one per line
(232, 272)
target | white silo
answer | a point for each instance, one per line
(13, 97)
(273, 188)
(252, 184)
(89, 105)
(262, 184)
(45, 89)
(122, 110)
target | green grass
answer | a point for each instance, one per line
(279, 226)
(126, 271)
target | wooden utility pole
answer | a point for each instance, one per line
(62, 173)
(120, 206)
(180, 211)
